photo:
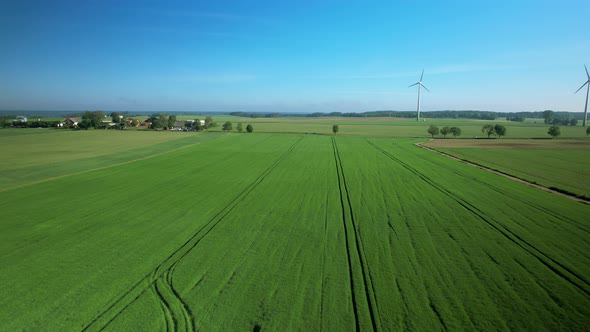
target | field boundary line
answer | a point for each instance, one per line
(97, 168)
(506, 175)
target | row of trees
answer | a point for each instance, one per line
(434, 130)
(489, 130)
(227, 126)
(498, 130)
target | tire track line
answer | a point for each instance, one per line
(324, 264)
(350, 273)
(562, 271)
(138, 289)
(163, 309)
(343, 187)
(171, 321)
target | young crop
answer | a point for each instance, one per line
(295, 232)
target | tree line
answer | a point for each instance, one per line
(560, 118)
(227, 126)
(446, 114)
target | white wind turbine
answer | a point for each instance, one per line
(420, 85)
(587, 90)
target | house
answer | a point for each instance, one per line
(132, 122)
(69, 122)
(20, 118)
(178, 125)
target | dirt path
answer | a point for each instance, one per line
(511, 177)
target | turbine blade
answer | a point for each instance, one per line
(582, 86)
(413, 84)
(422, 75)
(587, 72)
(424, 87)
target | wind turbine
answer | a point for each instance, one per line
(587, 90)
(420, 85)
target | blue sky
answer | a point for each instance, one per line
(292, 56)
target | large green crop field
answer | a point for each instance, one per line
(210, 231)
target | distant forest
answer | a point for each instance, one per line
(467, 114)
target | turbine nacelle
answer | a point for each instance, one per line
(587, 82)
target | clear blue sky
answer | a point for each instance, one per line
(290, 56)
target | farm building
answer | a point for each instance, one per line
(69, 122)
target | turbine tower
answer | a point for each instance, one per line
(587, 90)
(420, 85)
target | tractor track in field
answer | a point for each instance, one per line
(168, 265)
(345, 204)
(553, 265)
(325, 240)
(522, 199)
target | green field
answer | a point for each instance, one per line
(187, 231)
(391, 127)
(37, 154)
(562, 164)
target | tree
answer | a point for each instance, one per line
(209, 122)
(456, 131)
(159, 121)
(115, 117)
(226, 126)
(239, 127)
(588, 131)
(445, 131)
(548, 116)
(433, 130)
(554, 131)
(91, 120)
(488, 130)
(500, 130)
(250, 129)
(573, 122)
(171, 121)
(335, 129)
